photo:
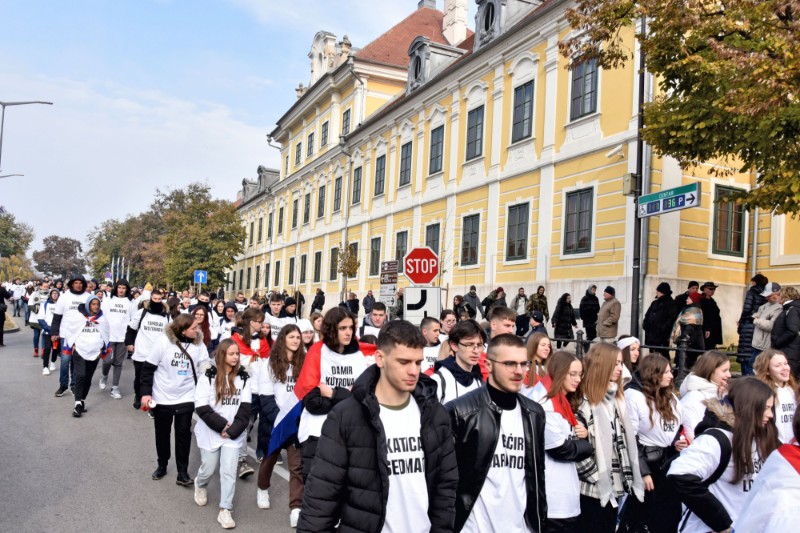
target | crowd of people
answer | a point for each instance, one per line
(453, 424)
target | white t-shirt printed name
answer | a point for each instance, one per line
(206, 394)
(501, 504)
(118, 312)
(430, 354)
(407, 505)
(173, 381)
(784, 413)
(661, 433)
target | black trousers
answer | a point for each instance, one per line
(49, 355)
(137, 378)
(309, 451)
(596, 518)
(562, 525)
(181, 416)
(660, 511)
(84, 370)
(2, 323)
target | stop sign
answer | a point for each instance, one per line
(421, 265)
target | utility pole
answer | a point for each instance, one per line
(637, 222)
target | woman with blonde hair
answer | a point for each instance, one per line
(612, 471)
(772, 367)
(539, 349)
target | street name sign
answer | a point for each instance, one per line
(669, 200)
(388, 278)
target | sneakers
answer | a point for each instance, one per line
(159, 473)
(137, 403)
(280, 458)
(262, 499)
(45, 371)
(150, 415)
(61, 391)
(184, 480)
(259, 455)
(294, 517)
(245, 470)
(51, 366)
(200, 495)
(115, 393)
(225, 519)
(36, 352)
(103, 381)
(77, 411)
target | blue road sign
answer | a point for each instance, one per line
(201, 276)
(669, 200)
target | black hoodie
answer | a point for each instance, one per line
(68, 301)
(459, 374)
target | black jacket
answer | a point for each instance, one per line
(349, 478)
(564, 319)
(476, 427)
(319, 302)
(658, 321)
(589, 308)
(752, 301)
(786, 333)
(712, 321)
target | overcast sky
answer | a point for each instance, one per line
(152, 94)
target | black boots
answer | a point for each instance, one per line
(159, 473)
(184, 480)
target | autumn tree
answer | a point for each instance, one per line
(15, 266)
(60, 256)
(729, 78)
(15, 237)
(349, 263)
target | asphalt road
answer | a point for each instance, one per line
(65, 474)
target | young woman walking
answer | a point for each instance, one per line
(45, 319)
(539, 349)
(565, 439)
(564, 320)
(169, 377)
(772, 367)
(282, 370)
(655, 415)
(715, 474)
(612, 471)
(222, 401)
(708, 380)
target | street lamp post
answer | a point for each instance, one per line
(3, 118)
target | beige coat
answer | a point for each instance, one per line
(608, 318)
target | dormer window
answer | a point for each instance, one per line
(427, 59)
(417, 68)
(487, 21)
(488, 18)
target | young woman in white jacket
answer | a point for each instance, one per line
(86, 335)
(708, 380)
(565, 439)
(716, 472)
(222, 401)
(169, 377)
(772, 367)
(655, 415)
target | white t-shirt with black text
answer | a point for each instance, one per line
(784, 413)
(407, 506)
(500, 507)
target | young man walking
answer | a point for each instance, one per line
(69, 301)
(118, 311)
(499, 443)
(386, 453)
(460, 373)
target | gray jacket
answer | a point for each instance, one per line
(763, 320)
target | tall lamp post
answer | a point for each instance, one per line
(3, 118)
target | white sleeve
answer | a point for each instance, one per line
(701, 458)
(201, 392)
(247, 394)
(59, 310)
(105, 331)
(135, 319)
(553, 430)
(633, 403)
(693, 412)
(435, 377)
(254, 372)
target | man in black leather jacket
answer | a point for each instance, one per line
(499, 443)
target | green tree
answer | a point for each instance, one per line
(15, 237)
(15, 266)
(60, 256)
(729, 78)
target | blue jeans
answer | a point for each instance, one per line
(18, 307)
(66, 370)
(39, 339)
(228, 459)
(747, 364)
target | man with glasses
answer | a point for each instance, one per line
(499, 443)
(459, 374)
(712, 321)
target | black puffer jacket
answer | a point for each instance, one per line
(590, 307)
(658, 321)
(476, 427)
(752, 301)
(786, 334)
(564, 319)
(349, 478)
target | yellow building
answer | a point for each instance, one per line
(486, 147)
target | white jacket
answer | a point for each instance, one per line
(695, 391)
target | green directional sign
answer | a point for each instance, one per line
(669, 200)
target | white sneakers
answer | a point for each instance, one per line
(45, 371)
(262, 498)
(103, 381)
(294, 516)
(52, 366)
(225, 519)
(200, 494)
(115, 393)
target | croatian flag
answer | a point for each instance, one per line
(287, 423)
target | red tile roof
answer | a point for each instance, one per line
(392, 47)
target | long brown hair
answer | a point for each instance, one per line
(749, 396)
(278, 361)
(180, 324)
(707, 363)
(659, 399)
(599, 366)
(558, 369)
(538, 367)
(224, 383)
(204, 325)
(250, 314)
(330, 326)
(761, 369)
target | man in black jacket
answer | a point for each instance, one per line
(385, 459)
(589, 308)
(499, 443)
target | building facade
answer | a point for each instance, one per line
(486, 147)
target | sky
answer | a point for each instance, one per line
(152, 94)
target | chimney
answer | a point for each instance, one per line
(454, 24)
(426, 3)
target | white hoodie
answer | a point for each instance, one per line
(88, 335)
(694, 392)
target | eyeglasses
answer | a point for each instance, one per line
(473, 347)
(512, 365)
(574, 375)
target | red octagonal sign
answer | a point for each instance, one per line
(421, 265)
